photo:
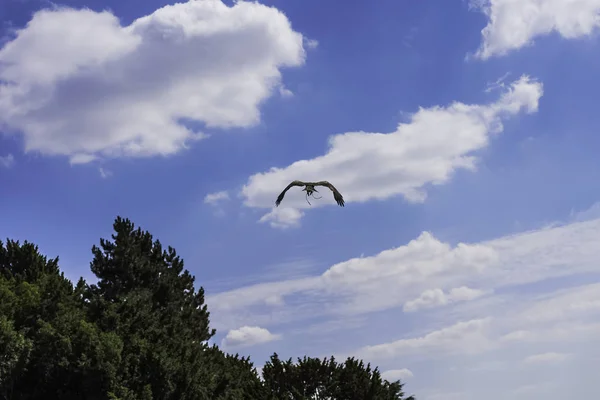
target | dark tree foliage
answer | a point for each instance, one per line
(313, 378)
(146, 297)
(47, 348)
(139, 333)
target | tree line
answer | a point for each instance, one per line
(140, 333)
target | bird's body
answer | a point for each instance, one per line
(309, 188)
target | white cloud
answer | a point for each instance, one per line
(7, 161)
(427, 150)
(547, 358)
(104, 90)
(248, 336)
(215, 198)
(436, 297)
(513, 24)
(397, 374)
(283, 218)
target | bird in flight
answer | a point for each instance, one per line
(309, 187)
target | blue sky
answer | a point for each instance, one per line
(462, 135)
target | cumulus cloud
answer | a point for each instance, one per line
(248, 336)
(436, 297)
(428, 149)
(106, 90)
(7, 161)
(397, 374)
(515, 24)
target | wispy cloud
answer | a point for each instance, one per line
(311, 43)
(7, 161)
(104, 173)
(436, 298)
(547, 358)
(395, 276)
(216, 198)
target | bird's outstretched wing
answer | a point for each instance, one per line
(336, 195)
(280, 197)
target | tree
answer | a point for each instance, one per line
(48, 348)
(145, 296)
(312, 378)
